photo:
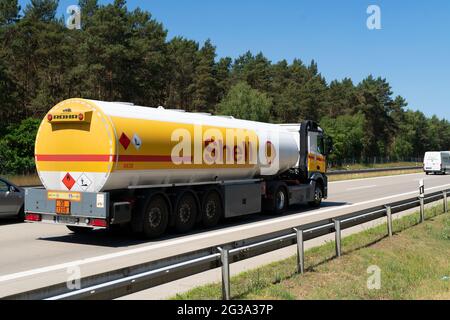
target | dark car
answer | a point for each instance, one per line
(11, 200)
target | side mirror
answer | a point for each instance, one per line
(12, 189)
(328, 142)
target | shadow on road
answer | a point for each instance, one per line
(124, 238)
(9, 221)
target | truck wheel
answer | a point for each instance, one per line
(155, 217)
(279, 200)
(318, 196)
(212, 209)
(79, 230)
(185, 212)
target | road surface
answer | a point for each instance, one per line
(36, 255)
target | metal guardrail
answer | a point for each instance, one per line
(342, 172)
(136, 278)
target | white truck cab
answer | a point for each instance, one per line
(437, 162)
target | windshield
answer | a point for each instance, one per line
(433, 156)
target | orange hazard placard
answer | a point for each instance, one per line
(63, 207)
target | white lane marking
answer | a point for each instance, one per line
(375, 178)
(361, 188)
(33, 272)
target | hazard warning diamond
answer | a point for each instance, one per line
(137, 142)
(68, 181)
(84, 182)
(124, 141)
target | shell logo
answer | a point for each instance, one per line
(270, 152)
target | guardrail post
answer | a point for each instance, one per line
(422, 200)
(300, 251)
(225, 273)
(337, 228)
(389, 220)
(422, 210)
(445, 202)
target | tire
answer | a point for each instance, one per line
(155, 217)
(21, 215)
(79, 230)
(212, 209)
(279, 201)
(318, 196)
(186, 211)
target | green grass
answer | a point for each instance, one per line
(361, 166)
(414, 264)
(353, 176)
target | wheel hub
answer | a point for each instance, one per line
(318, 195)
(210, 209)
(281, 199)
(155, 217)
(185, 213)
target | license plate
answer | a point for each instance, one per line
(67, 220)
(63, 207)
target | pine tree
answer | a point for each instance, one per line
(9, 11)
(43, 10)
(204, 86)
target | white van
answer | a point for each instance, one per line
(436, 162)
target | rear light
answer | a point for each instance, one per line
(33, 217)
(99, 223)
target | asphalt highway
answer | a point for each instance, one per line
(36, 255)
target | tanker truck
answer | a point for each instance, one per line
(111, 164)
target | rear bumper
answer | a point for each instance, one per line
(67, 220)
(86, 209)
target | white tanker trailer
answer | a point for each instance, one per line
(105, 164)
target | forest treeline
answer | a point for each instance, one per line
(124, 55)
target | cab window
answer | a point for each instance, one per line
(320, 144)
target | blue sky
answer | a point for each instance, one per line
(412, 49)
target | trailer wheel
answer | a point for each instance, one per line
(155, 217)
(186, 211)
(318, 196)
(212, 209)
(79, 230)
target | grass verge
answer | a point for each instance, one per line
(25, 180)
(361, 166)
(414, 264)
(342, 177)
